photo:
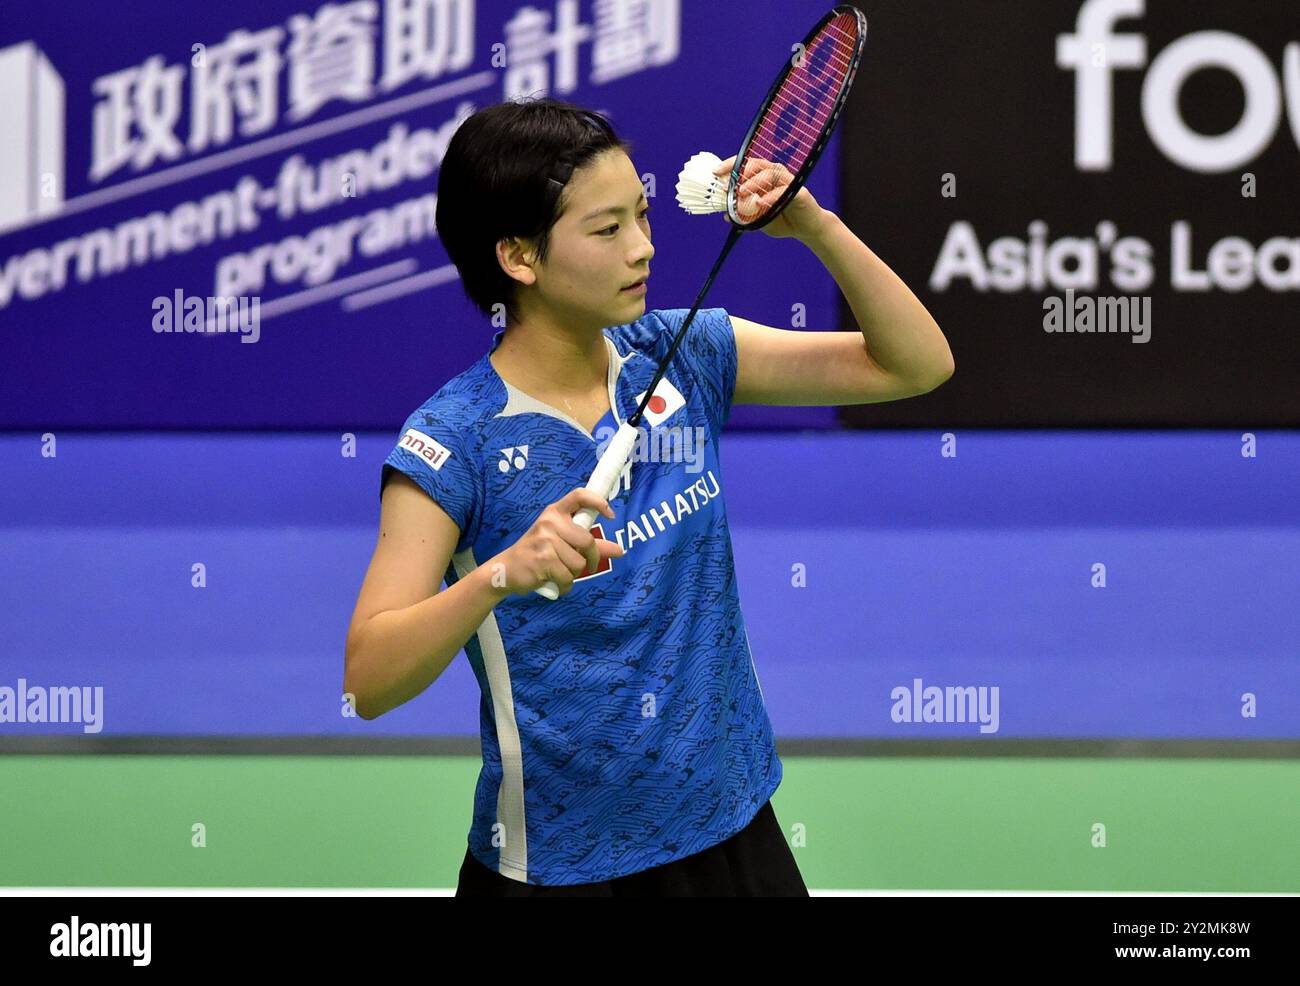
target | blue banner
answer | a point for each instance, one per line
(159, 160)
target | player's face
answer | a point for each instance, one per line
(594, 254)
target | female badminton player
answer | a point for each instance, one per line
(626, 746)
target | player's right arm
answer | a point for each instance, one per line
(404, 632)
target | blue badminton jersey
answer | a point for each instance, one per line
(623, 725)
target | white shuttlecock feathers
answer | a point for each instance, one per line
(699, 190)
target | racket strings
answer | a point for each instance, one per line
(796, 82)
(793, 124)
(796, 91)
(840, 58)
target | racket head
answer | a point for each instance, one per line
(797, 117)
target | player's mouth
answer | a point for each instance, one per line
(638, 287)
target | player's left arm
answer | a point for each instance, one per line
(899, 350)
(794, 367)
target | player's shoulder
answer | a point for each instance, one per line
(456, 412)
(652, 334)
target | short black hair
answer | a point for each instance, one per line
(503, 175)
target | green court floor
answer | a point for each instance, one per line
(855, 823)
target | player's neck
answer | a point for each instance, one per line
(548, 359)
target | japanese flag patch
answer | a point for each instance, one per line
(666, 402)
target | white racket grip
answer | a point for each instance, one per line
(602, 482)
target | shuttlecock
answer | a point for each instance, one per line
(699, 190)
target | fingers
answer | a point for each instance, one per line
(566, 550)
(576, 499)
(769, 173)
(762, 184)
(579, 538)
(774, 178)
(558, 573)
(762, 192)
(754, 206)
(752, 165)
(568, 563)
(574, 563)
(590, 554)
(594, 550)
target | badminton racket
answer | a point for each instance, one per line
(784, 142)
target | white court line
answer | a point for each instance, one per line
(449, 891)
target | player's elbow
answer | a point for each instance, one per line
(356, 701)
(354, 695)
(945, 372)
(364, 708)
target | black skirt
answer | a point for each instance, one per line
(755, 862)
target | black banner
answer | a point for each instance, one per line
(140, 936)
(1096, 200)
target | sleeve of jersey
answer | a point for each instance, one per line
(432, 453)
(710, 347)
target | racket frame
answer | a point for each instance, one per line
(828, 128)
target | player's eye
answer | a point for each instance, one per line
(611, 230)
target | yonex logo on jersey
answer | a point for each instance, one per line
(431, 453)
(667, 401)
(516, 456)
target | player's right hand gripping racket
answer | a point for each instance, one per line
(784, 141)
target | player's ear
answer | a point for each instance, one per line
(517, 256)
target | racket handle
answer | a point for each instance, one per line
(602, 483)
